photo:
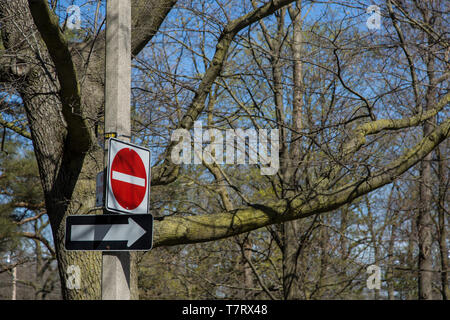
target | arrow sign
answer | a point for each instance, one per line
(120, 232)
(109, 232)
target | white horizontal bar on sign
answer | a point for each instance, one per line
(116, 175)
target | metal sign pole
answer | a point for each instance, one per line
(117, 266)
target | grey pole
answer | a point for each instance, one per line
(117, 266)
(14, 288)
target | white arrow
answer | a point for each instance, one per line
(130, 232)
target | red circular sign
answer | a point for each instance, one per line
(128, 179)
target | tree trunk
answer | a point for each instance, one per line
(424, 226)
(291, 241)
(291, 234)
(374, 240)
(68, 179)
(248, 273)
(82, 193)
(390, 269)
(324, 255)
(443, 183)
(411, 263)
(424, 220)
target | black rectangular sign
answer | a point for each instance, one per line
(109, 232)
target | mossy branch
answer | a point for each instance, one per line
(202, 228)
(47, 23)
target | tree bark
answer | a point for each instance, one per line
(424, 228)
(424, 219)
(291, 243)
(390, 269)
(443, 190)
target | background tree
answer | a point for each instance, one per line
(349, 124)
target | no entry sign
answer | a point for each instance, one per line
(128, 178)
